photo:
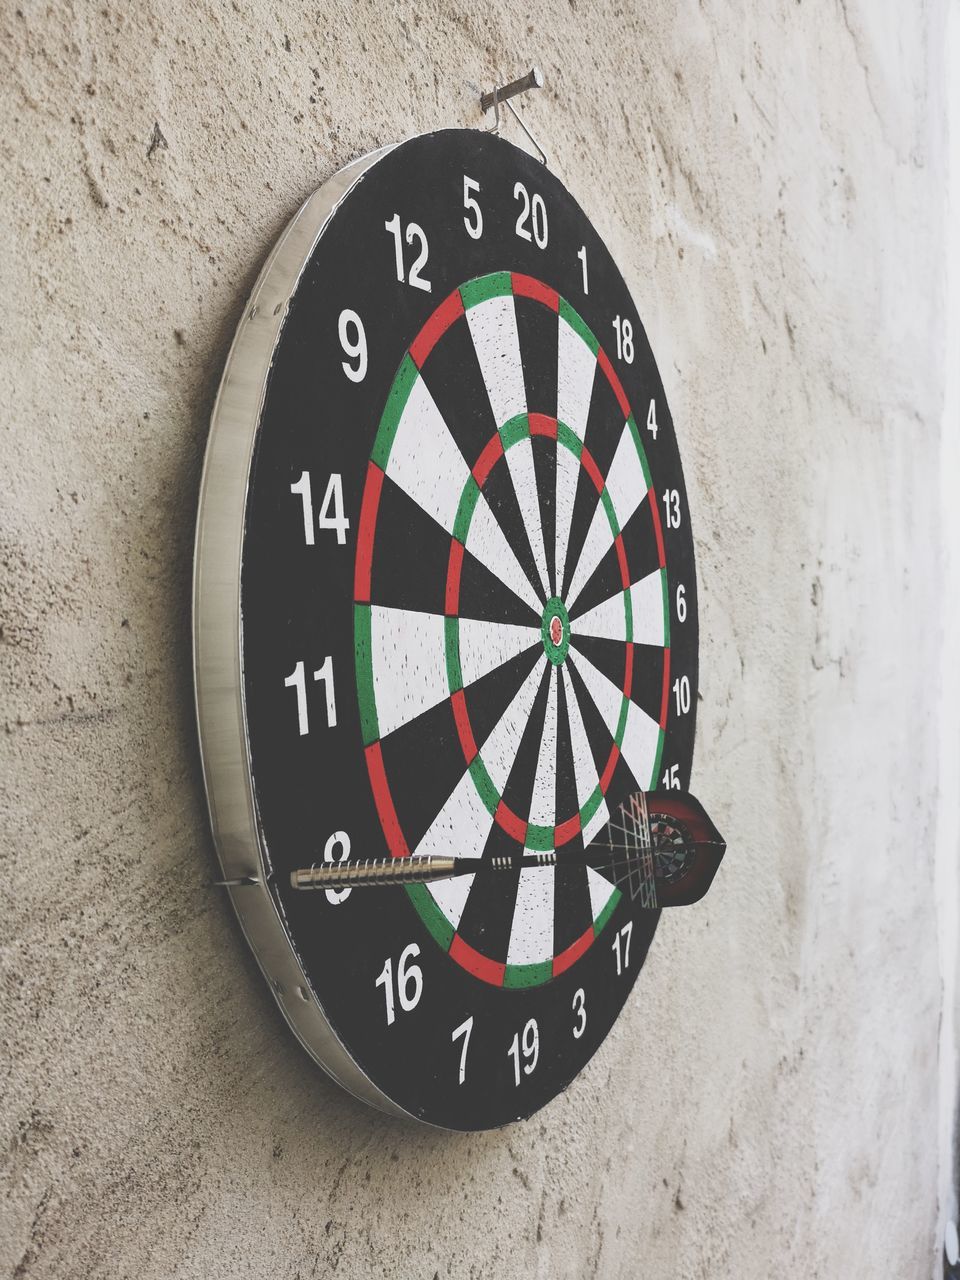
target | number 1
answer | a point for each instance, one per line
(582, 255)
(296, 681)
(302, 487)
(325, 676)
(393, 226)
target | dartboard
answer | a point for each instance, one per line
(445, 605)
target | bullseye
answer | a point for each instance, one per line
(555, 630)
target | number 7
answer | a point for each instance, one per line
(464, 1030)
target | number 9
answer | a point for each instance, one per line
(354, 350)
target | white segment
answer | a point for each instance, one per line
(543, 806)
(585, 771)
(598, 542)
(625, 480)
(531, 934)
(607, 698)
(424, 459)
(485, 540)
(647, 597)
(600, 889)
(485, 645)
(606, 620)
(576, 366)
(500, 749)
(451, 895)
(642, 735)
(568, 476)
(460, 828)
(524, 477)
(493, 328)
(409, 666)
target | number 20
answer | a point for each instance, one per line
(533, 211)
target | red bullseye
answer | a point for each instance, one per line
(556, 630)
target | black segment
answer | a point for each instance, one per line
(646, 689)
(420, 794)
(488, 698)
(605, 424)
(643, 558)
(599, 734)
(538, 334)
(488, 915)
(572, 915)
(485, 597)
(392, 582)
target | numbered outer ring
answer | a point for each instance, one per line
(272, 920)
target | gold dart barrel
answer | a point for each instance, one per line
(344, 875)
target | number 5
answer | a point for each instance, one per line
(473, 225)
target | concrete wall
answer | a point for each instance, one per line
(770, 177)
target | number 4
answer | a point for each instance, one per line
(652, 419)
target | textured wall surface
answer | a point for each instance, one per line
(770, 178)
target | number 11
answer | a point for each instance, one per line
(298, 680)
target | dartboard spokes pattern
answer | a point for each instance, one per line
(546, 678)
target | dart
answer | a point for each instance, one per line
(659, 847)
(412, 870)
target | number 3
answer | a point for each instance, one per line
(580, 1009)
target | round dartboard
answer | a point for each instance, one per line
(445, 604)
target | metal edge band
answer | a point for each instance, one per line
(217, 641)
